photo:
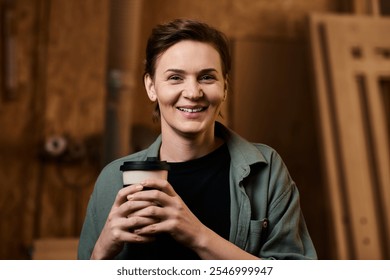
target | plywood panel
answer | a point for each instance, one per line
(60, 53)
(55, 249)
(20, 120)
(354, 130)
(75, 91)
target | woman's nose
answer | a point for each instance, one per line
(192, 90)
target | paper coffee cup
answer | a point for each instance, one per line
(135, 172)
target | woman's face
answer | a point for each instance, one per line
(189, 87)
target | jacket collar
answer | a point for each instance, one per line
(154, 149)
(241, 151)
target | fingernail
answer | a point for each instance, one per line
(130, 197)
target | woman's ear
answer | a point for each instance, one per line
(149, 86)
(226, 88)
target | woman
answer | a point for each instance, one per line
(225, 198)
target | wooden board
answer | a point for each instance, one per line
(55, 249)
(350, 58)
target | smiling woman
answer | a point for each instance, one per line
(225, 198)
(189, 87)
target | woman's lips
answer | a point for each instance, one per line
(191, 110)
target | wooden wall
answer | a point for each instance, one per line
(59, 54)
(61, 58)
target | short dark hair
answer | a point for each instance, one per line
(164, 36)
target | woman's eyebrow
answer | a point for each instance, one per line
(181, 71)
(208, 70)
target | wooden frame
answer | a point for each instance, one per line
(350, 55)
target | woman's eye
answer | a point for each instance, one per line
(174, 78)
(207, 78)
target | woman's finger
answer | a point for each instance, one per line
(154, 196)
(122, 194)
(131, 206)
(135, 222)
(159, 184)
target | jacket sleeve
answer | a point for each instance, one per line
(89, 233)
(107, 185)
(287, 236)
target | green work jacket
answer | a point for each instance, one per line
(265, 215)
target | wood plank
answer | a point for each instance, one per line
(359, 126)
(328, 135)
(55, 249)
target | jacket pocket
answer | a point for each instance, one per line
(256, 236)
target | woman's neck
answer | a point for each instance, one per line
(175, 148)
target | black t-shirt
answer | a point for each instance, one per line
(203, 184)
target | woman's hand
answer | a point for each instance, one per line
(137, 216)
(174, 217)
(166, 207)
(120, 224)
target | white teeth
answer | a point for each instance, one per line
(188, 110)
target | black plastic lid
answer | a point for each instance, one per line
(149, 164)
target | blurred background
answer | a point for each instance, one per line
(310, 78)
